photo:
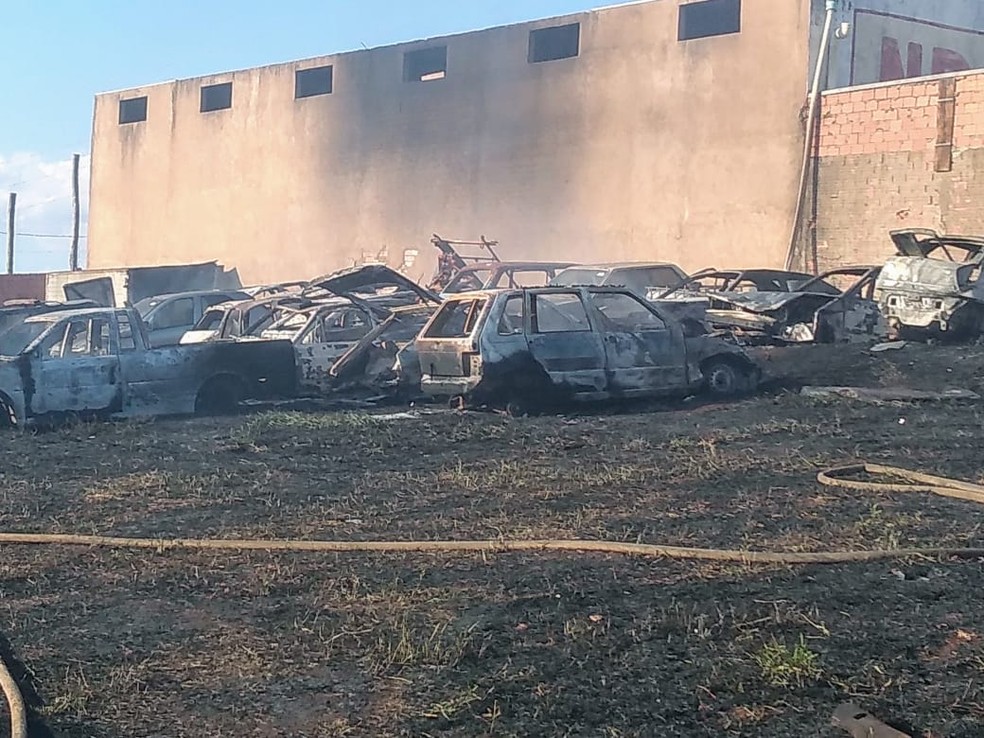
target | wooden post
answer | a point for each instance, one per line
(73, 255)
(11, 206)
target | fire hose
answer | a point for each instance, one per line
(906, 482)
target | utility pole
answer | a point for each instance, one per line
(11, 206)
(73, 255)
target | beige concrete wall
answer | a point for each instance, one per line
(640, 148)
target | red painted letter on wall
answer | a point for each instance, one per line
(891, 60)
(913, 67)
(948, 60)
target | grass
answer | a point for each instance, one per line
(782, 666)
(249, 644)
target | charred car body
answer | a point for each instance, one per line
(500, 275)
(542, 346)
(835, 307)
(643, 278)
(933, 286)
(98, 362)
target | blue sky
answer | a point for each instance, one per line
(55, 55)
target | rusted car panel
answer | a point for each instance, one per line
(933, 285)
(814, 313)
(548, 345)
(97, 362)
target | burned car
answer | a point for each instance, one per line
(739, 280)
(168, 317)
(525, 349)
(345, 310)
(933, 286)
(504, 275)
(385, 359)
(98, 362)
(837, 306)
(641, 277)
(690, 298)
(243, 318)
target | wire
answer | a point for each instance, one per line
(41, 235)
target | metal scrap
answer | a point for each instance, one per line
(860, 724)
(879, 395)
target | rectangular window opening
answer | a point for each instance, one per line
(216, 97)
(709, 18)
(313, 82)
(133, 110)
(558, 42)
(425, 65)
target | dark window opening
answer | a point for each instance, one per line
(559, 42)
(133, 110)
(425, 65)
(456, 319)
(312, 82)
(709, 18)
(216, 97)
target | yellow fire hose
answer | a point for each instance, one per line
(907, 482)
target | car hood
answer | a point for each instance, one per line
(367, 277)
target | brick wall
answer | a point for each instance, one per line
(878, 167)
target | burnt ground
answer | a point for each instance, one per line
(129, 643)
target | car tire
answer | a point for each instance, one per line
(7, 417)
(725, 378)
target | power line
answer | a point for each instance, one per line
(40, 235)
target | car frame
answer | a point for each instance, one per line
(548, 346)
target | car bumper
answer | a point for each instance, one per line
(437, 386)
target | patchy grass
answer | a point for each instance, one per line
(131, 644)
(782, 666)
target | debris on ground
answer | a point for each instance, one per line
(881, 395)
(860, 724)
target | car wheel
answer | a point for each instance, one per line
(724, 378)
(7, 417)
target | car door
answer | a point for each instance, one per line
(78, 368)
(854, 316)
(564, 342)
(644, 354)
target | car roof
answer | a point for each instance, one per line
(623, 265)
(51, 317)
(474, 294)
(194, 293)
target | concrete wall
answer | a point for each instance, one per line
(897, 39)
(878, 166)
(641, 147)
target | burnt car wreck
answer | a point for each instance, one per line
(932, 287)
(837, 306)
(98, 363)
(534, 348)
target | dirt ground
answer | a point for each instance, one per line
(163, 643)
